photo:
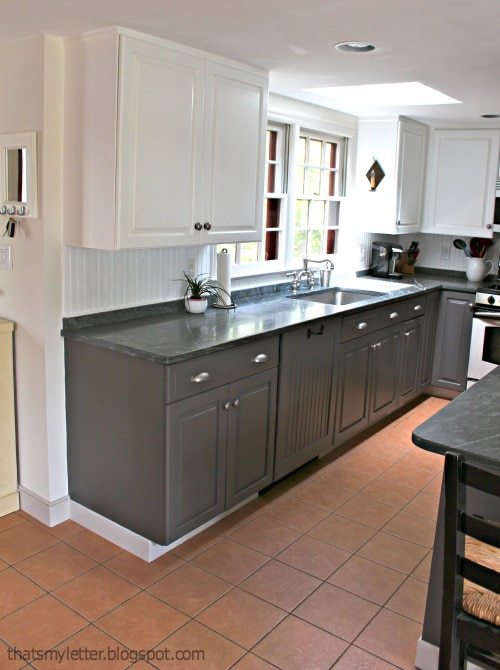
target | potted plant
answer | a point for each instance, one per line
(199, 288)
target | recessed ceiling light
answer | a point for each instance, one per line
(408, 93)
(490, 116)
(355, 47)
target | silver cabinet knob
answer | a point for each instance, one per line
(407, 334)
(373, 346)
(226, 406)
(200, 377)
(417, 308)
(207, 226)
(12, 210)
(393, 315)
(362, 325)
(236, 402)
(489, 226)
(21, 210)
(259, 358)
(3, 209)
(197, 226)
(471, 306)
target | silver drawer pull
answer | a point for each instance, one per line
(362, 325)
(393, 315)
(418, 308)
(260, 358)
(200, 377)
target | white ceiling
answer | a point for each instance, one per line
(450, 45)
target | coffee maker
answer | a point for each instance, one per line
(385, 255)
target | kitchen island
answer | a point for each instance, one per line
(468, 426)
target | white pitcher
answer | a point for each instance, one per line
(477, 268)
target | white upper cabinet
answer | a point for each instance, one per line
(399, 146)
(165, 144)
(460, 190)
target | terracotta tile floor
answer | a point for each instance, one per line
(328, 569)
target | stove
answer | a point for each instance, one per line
(488, 297)
(484, 354)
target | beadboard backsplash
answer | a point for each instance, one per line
(96, 281)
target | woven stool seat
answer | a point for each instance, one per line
(478, 601)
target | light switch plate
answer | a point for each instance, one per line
(5, 257)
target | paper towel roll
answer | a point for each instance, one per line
(224, 276)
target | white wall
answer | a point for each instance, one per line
(30, 78)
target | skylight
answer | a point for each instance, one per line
(408, 93)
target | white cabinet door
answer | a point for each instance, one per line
(160, 145)
(399, 146)
(411, 160)
(461, 182)
(235, 125)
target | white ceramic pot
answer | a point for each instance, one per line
(477, 268)
(195, 305)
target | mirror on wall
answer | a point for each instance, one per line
(18, 174)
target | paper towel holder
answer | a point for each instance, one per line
(219, 305)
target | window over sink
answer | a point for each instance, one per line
(304, 188)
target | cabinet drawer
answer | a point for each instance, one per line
(402, 310)
(361, 324)
(207, 372)
(414, 307)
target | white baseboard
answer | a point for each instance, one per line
(9, 503)
(428, 657)
(48, 512)
(127, 539)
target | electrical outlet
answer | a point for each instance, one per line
(5, 257)
(445, 253)
(191, 266)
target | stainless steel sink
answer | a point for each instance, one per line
(338, 296)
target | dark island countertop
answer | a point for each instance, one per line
(469, 425)
(166, 334)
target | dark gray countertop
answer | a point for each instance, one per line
(165, 334)
(469, 425)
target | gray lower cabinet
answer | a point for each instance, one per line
(384, 355)
(148, 449)
(353, 388)
(220, 448)
(305, 407)
(196, 438)
(429, 337)
(412, 341)
(453, 337)
(250, 436)
(368, 381)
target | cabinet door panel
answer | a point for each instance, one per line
(411, 350)
(353, 390)
(461, 182)
(161, 125)
(234, 139)
(429, 338)
(452, 341)
(411, 176)
(250, 444)
(384, 355)
(196, 431)
(305, 424)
